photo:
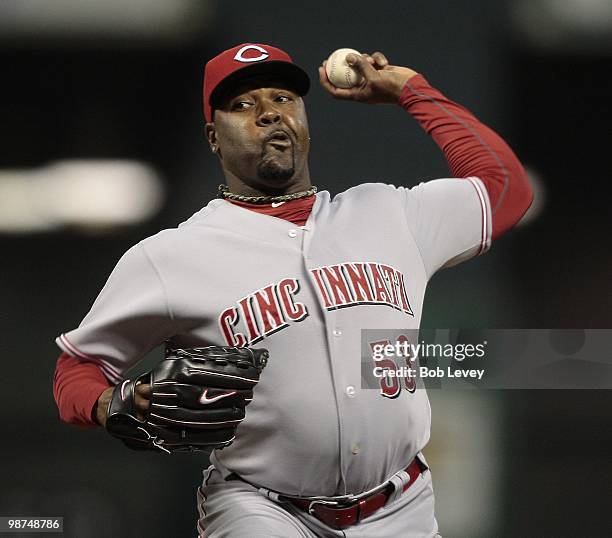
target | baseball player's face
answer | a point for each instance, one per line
(261, 133)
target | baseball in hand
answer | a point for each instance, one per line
(339, 73)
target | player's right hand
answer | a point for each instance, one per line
(382, 83)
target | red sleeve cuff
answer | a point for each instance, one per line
(415, 83)
(77, 385)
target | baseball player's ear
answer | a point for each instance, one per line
(211, 136)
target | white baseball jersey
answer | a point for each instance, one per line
(232, 276)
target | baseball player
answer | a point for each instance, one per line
(272, 263)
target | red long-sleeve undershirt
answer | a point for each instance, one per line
(77, 385)
(470, 148)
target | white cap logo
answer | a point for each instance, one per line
(239, 55)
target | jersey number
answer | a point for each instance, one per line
(390, 387)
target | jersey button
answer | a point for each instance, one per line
(292, 233)
(355, 449)
(337, 332)
(350, 390)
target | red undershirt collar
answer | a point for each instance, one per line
(295, 211)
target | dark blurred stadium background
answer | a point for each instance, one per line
(102, 145)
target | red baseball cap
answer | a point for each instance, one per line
(245, 61)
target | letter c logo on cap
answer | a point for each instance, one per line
(239, 55)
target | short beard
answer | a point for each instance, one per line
(270, 170)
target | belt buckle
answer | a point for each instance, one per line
(331, 504)
(335, 518)
(348, 500)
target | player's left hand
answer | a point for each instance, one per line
(381, 84)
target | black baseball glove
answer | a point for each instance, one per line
(198, 398)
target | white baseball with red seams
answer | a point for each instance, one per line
(339, 72)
